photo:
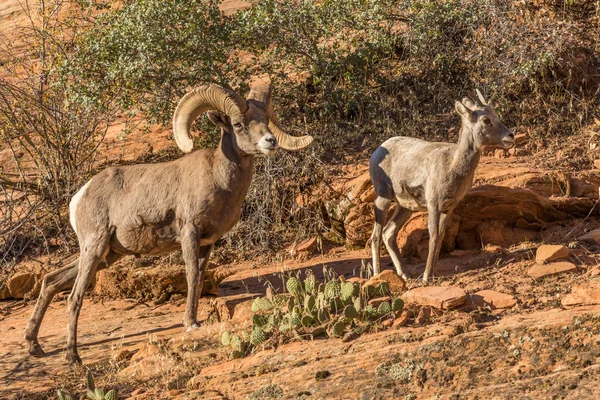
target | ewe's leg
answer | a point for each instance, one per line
(390, 234)
(441, 232)
(434, 241)
(53, 283)
(91, 255)
(382, 206)
(190, 247)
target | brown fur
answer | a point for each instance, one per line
(420, 175)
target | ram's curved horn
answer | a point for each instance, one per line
(262, 93)
(199, 100)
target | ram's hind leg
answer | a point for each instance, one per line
(93, 252)
(53, 283)
(390, 234)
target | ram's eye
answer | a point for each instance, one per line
(238, 125)
(487, 121)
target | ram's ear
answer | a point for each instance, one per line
(219, 119)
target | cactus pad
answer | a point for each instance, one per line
(397, 304)
(310, 283)
(225, 338)
(257, 337)
(338, 329)
(261, 304)
(348, 290)
(383, 289)
(236, 343)
(369, 290)
(309, 303)
(384, 308)
(111, 395)
(350, 312)
(294, 286)
(332, 289)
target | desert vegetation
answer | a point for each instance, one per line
(84, 83)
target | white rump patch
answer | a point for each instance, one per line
(74, 203)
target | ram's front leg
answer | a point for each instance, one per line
(190, 248)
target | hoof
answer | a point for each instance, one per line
(73, 359)
(192, 327)
(36, 350)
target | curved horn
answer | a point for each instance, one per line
(285, 140)
(481, 99)
(262, 93)
(198, 101)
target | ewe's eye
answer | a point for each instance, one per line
(238, 125)
(487, 121)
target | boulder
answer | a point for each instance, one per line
(443, 297)
(359, 225)
(157, 283)
(491, 298)
(397, 284)
(544, 270)
(548, 252)
(583, 294)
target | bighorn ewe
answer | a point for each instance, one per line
(421, 175)
(185, 204)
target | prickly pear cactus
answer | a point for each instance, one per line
(382, 289)
(294, 286)
(397, 304)
(257, 337)
(236, 343)
(332, 289)
(261, 304)
(225, 338)
(310, 283)
(309, 303)
(384, 308)
(371, 312)
(111, 395)
(307, 321)
(63, 396)
(348, 290)
(369, 290)
(350, 312)
(338, 328)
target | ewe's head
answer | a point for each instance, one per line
(252, 122)
(484, 123)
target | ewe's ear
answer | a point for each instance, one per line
(463, 110)
(218, 118)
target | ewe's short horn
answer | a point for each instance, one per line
(262, 93)
(199, 100)
(481, 99)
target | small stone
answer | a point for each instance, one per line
(549, 252)
(543, 270)
(357, 279)
(304, 248)
(386, 324)
(320, 375)
(402, 320)
(20, 284)
(443, 297)
(491, 298)
(583, 294)
(597, 164)
(397, 284)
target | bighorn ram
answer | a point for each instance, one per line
(421, 175)
(185, 204)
